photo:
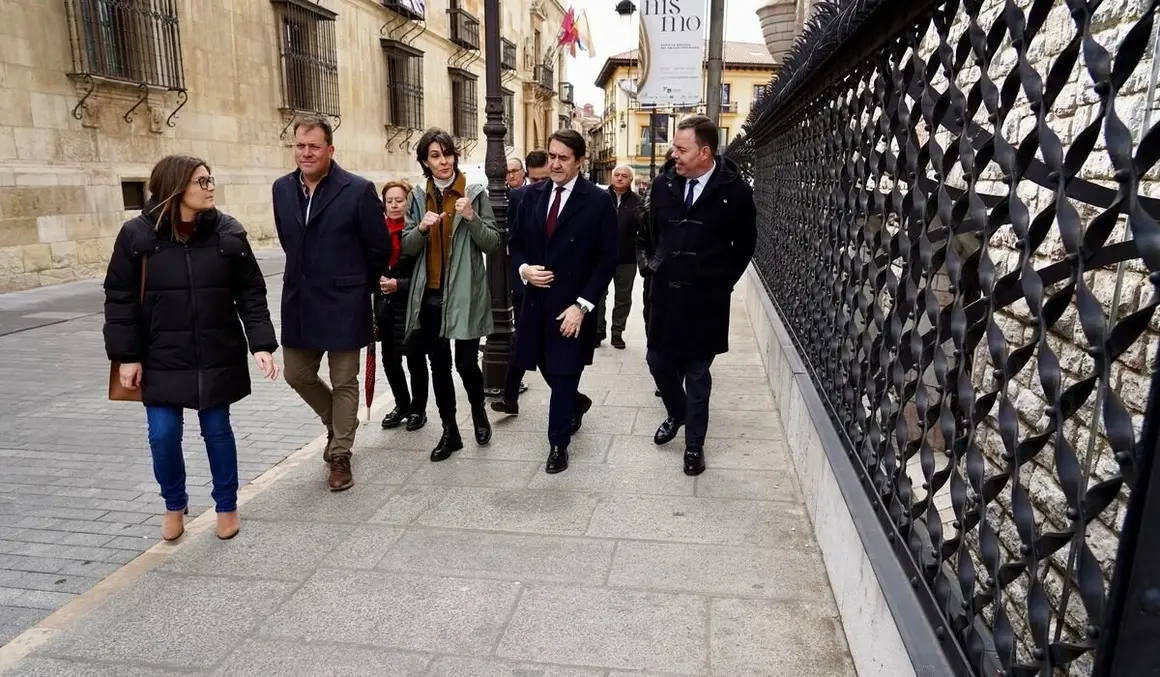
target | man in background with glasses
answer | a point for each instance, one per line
(701, 235)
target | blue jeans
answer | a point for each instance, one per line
(166, 425)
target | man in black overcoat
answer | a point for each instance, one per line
(702, 236)
(564, 247)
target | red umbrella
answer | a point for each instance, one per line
(369, 380)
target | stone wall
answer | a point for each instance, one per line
(61, 177)
(1076, 107)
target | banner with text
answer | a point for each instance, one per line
(672, 52)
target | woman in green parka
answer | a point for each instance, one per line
(450, 228)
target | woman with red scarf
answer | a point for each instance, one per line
(391, 315)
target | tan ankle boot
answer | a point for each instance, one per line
(173, 524)
(227, 525)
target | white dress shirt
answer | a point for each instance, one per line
(568, 188)
(701, 181)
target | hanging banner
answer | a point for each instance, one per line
(672, 52)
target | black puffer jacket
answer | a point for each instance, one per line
(391, 309)
(188, 333)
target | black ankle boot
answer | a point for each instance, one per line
(481, 424)
(449, 443)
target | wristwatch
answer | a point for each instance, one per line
(583, 310)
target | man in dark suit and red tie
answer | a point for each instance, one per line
(564, 246)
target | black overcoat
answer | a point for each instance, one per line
(333, 261)
(696, 258)
(582, 254)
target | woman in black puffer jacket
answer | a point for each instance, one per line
(185, 303)
(391, 320)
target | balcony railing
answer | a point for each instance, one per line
(566, 92)
(646, 149)
(133, 42)
(545, 77)
(507, 58)
(407, 9)
(729, 107)
(464, 29)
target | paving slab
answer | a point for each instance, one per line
(403, 611)
(479, 566)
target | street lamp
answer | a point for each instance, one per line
(499, 344)
(625, 9)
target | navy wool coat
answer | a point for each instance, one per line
(333, 260)
(582, 254)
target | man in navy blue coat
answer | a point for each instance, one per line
(332, 227)
(564, 246)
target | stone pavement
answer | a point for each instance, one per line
(77, 495)
(479, 566)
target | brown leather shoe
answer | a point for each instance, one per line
(227, 525)
(173, 524)
(341, 477)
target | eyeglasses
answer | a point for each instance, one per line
(204, 181)
(514, 171)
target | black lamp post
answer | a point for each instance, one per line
(499, 345)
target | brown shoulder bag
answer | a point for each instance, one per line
(118, 392)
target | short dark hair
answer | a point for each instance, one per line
(445, 141)
(570, 138)
(309, 122)
(704, 129)
(536, 159)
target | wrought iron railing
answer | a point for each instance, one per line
(956, 231)
(464, 104)
(134, 41)
(407, 8)
(507, 55)
(545, 77)
(464, 29)
(567, 92)
(309, 54)
(404, 85)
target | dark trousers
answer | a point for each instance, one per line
(562, 407)
(414, 397)
(622, 282)
(438, 350)
(515, 375)
(166, 425)
(685, 385)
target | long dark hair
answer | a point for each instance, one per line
(168, 182)
(445, 141)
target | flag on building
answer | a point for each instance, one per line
(575, 32)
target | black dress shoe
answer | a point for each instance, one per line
(395, 418)
(511, 408)
(657, 392)
(694, 462)
(667, 431)
(618, 342)
(416, 421)
(557, 460)
(449, 443)
(523, 387)
(482, 425)
(583, 404)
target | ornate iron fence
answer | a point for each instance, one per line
(958, 226)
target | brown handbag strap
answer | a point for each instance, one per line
(143, 260)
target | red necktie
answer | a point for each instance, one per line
(554, 212)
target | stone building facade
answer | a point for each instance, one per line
(93, 92)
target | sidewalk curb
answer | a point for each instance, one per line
(28, 641)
